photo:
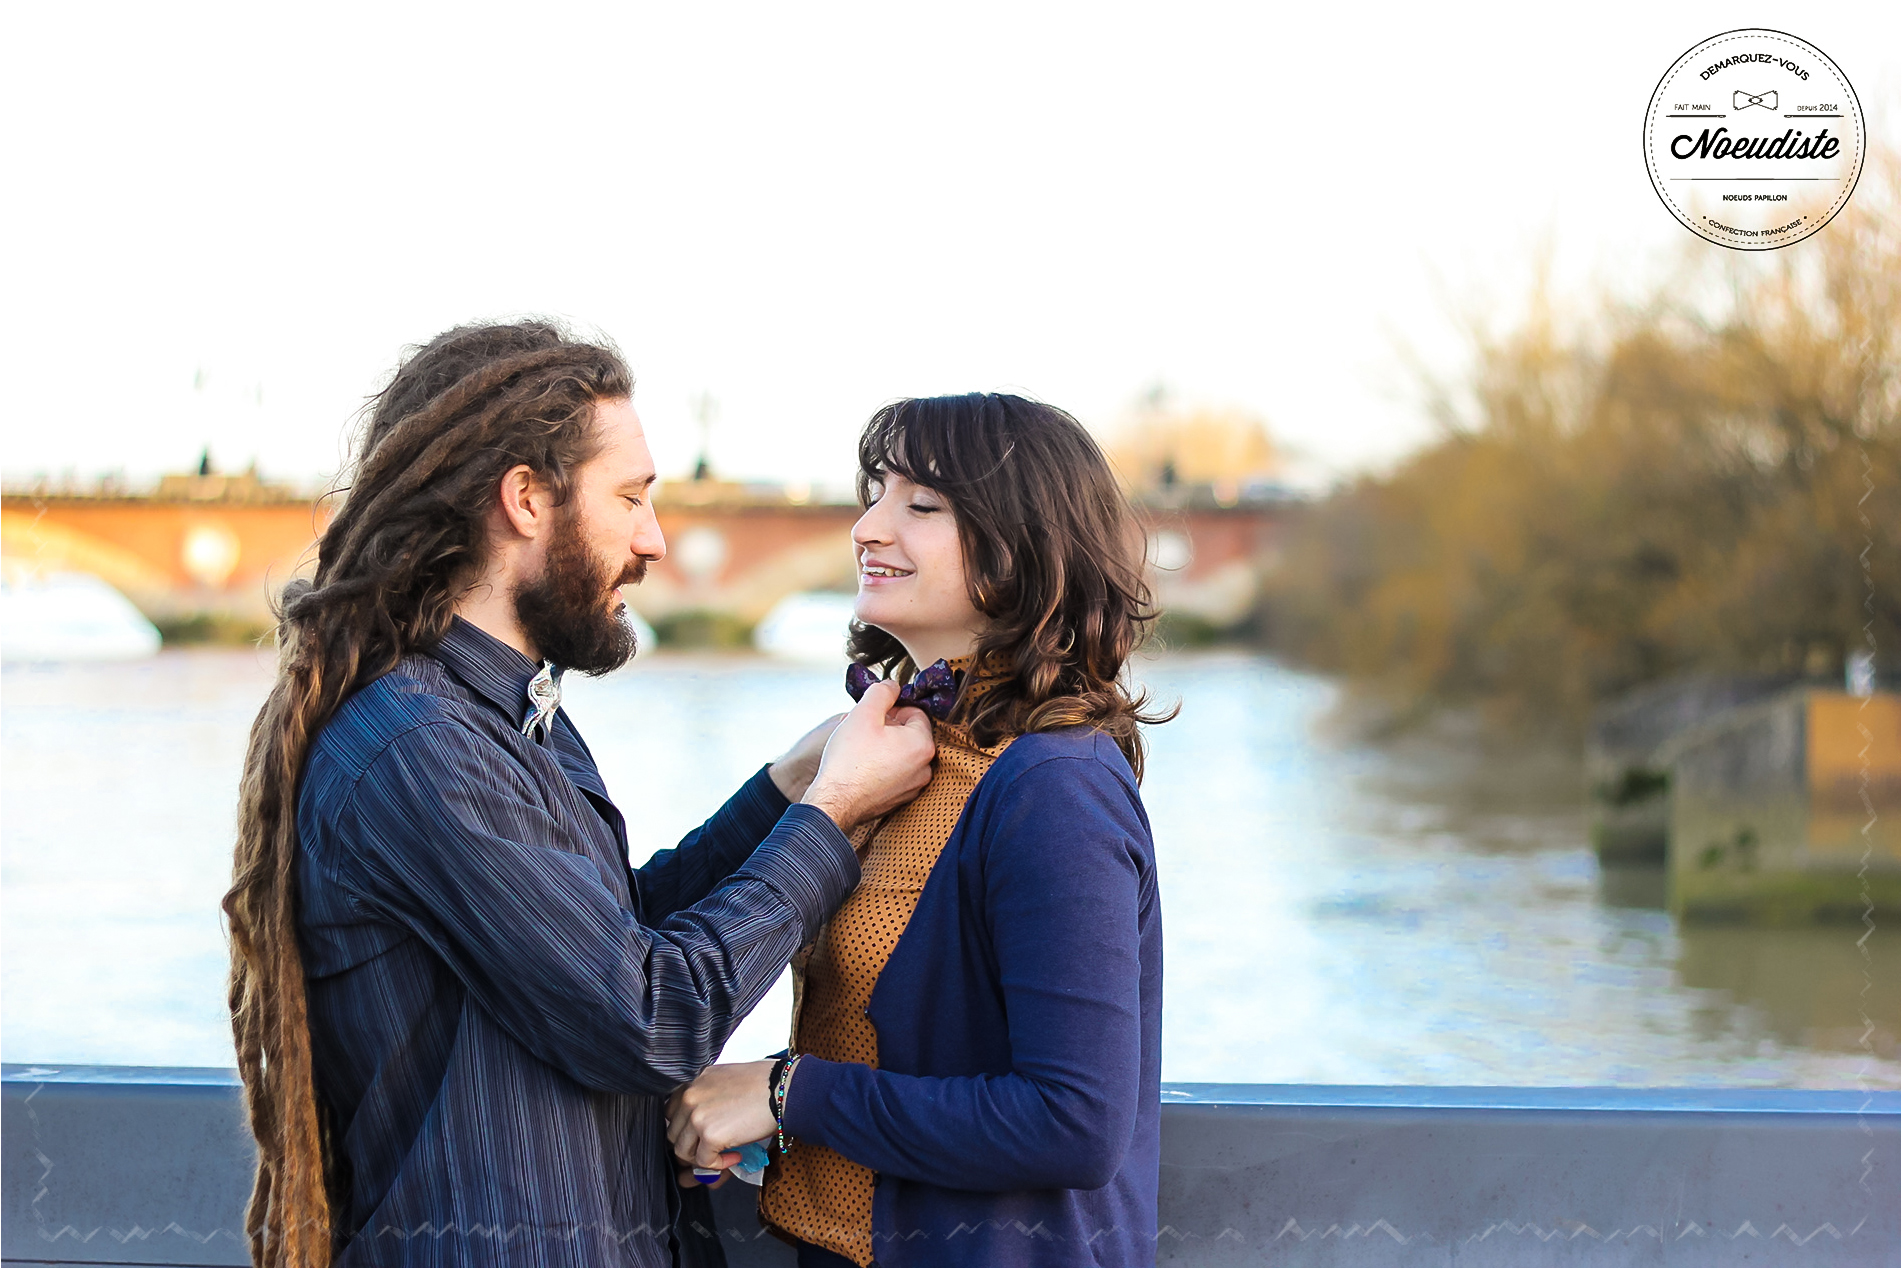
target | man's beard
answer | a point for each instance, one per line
(562, 611)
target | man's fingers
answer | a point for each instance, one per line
(879, 697)
(913, 720)
(908, 716)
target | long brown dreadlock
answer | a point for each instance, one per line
(408, 541)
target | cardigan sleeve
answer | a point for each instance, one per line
(1065, 856)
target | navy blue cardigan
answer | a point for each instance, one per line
(1015, 1114)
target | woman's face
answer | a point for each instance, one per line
(911, 572)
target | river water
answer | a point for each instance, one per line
(1334, 911)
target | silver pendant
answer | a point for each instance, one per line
(544, 698)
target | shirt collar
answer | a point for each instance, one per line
(488, 667)
(978, 681)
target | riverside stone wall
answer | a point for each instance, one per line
(1629, 778)
(1786, 809)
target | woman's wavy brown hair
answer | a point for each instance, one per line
(408, 541)
(1053, 557)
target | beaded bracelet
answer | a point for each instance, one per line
(782, 1080)
(772, 1081)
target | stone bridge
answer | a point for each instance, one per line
(205, 552)
(217, 547)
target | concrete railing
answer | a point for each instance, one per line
(151, 1166)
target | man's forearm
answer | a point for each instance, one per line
(681, 877)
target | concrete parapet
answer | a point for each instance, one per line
(1786, 809)
(146, 1166)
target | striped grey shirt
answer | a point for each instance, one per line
(499, 1003)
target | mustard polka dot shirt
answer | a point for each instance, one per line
(813, 1193)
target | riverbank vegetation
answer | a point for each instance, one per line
(1703, 480)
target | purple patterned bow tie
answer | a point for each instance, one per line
(934, 690)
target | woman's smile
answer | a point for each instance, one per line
(878, 573)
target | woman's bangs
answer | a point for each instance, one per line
(905, 440)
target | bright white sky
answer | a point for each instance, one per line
(807, 210)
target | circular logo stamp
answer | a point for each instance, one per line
(1754, 139)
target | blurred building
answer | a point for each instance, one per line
(1187, 456)
(1210, 485)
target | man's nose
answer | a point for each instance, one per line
(648, 542)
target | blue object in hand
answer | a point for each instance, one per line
(753, 1161)
(753, 1157)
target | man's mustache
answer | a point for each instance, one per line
(633, 575)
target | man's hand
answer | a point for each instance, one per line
(794, 770)
(877, 759)
(727, 1106)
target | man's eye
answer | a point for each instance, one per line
(631, 500)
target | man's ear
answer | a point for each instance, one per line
(525, 501)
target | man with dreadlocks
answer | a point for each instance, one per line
(457, 1007)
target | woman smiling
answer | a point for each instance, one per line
(974, 1076)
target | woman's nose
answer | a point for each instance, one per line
(870, 529)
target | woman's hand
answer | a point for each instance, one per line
(726, 1106)
(793, 772)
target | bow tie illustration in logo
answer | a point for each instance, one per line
(1743, 101)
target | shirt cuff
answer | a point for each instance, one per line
(808, 861)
